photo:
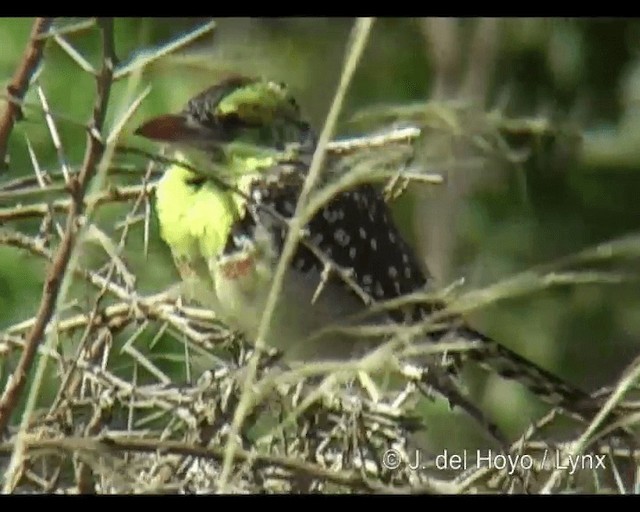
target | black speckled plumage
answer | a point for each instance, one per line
(356, 231)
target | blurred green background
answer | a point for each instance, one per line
(568, 192)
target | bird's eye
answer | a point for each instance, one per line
(231, 120)
(195, 181)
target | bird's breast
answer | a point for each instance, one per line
(242, 287)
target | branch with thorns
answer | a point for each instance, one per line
(61, 259)
(17, 88)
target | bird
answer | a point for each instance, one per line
(241, 151)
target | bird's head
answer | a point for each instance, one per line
(237, 123)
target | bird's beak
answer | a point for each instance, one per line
(171, 128)
(181, 131)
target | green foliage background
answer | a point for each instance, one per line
(569, 195)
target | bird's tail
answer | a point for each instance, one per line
(548, 387)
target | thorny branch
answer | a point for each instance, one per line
(111, 195)
(94, 311)
(17, 88)
(352, 479)
(159, 307)
(77, 190)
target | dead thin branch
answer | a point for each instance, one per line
(111, 195)
(58, 267)
(19, 84)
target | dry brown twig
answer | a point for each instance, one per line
(17, 88)
(57, 269)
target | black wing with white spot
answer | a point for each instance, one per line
(354, 231)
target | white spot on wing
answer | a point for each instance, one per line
(331, 215)
(341, 237)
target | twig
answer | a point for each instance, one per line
(129, 279)
(55, 136)
(74, 54)
(628, 379)
(26, 182)
(111, 195)
(143, 59)
(109, 444)
(156, 307)
(58, 268)
(381, 140)
(71, 28)
(20, 82)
